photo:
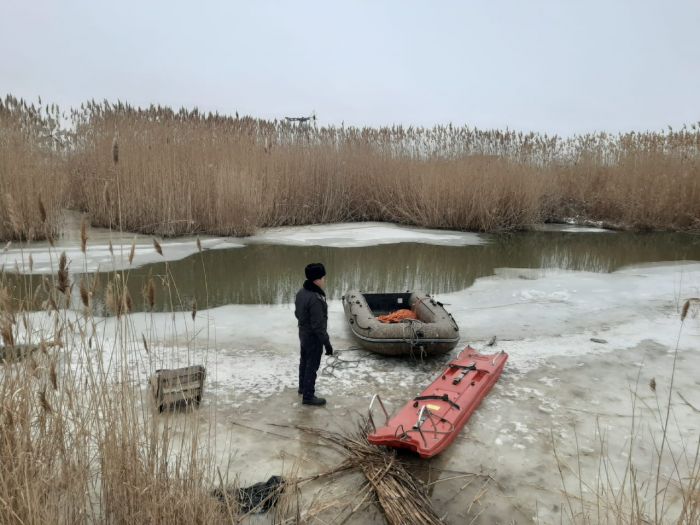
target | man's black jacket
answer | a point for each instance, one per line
(312, 313)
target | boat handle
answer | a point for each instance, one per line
(419, 423)
(370, 418)
(404, 434)
(493, 363)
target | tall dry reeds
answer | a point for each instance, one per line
(185, 172)
(182, 172)
(174, 175)
(78, 441)
(32, 169)
(641, 181)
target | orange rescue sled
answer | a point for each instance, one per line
(430, 422)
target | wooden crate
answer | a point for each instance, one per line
(178, 386)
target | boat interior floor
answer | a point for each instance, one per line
(385, 303)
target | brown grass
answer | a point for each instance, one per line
(187, 172)
(173, 173)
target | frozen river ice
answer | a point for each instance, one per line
(583, 348)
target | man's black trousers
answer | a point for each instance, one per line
(311, 352)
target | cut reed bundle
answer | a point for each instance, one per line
(402, 497)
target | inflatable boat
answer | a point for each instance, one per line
(431, 421)
(376, 323)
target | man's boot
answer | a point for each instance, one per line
(314, 401)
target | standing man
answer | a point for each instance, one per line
(312, 313)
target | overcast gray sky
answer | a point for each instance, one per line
(556, 66)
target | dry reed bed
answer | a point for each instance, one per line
(186, 172)
(77, 442)
(33, 174)
(80, 439)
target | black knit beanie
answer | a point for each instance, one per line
(314, 271)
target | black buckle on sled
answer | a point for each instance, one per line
(443, 397)
(465, 370)
(470, 366)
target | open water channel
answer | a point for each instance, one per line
(270, 274)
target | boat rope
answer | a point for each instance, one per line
(413, 339)
(336, 363)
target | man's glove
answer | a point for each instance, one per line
(329, 349)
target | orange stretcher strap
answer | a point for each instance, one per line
(397, 316)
